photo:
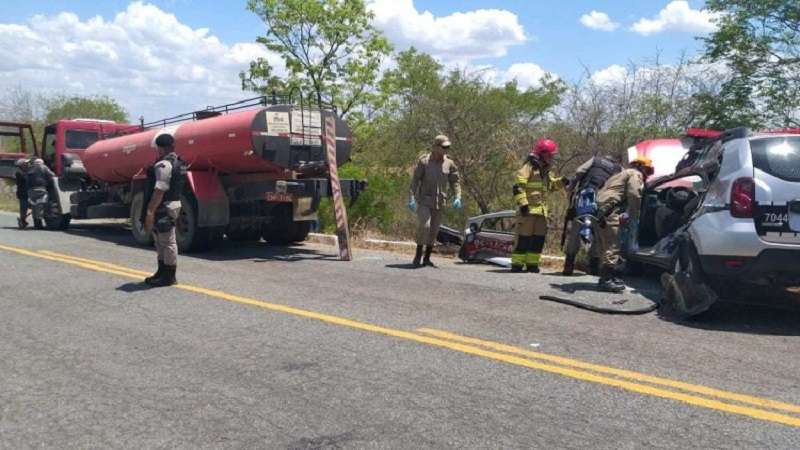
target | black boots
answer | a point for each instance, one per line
(157, 275)
(417, 257)
(608, 283)
(167, 277)
(427, 261)
(569, 265)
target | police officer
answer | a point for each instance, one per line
(21, 177)
(532, 183)
(428, 195)
(590, 175)
(620, 201)
(163, 199)
(39, 181)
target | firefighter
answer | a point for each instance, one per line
(165, 180)
(21, 176)
(428, 196)
(532, 184)
(39, 181)
(619, 200)
(589, 178)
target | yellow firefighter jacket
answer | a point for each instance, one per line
(531, 186)
(623, 192)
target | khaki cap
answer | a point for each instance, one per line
(441, 141)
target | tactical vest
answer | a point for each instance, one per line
(601, 170)
(176, 180)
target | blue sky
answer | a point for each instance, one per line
(535, 35)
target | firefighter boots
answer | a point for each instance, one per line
(608, 283)
(167, 277)
(157, 275)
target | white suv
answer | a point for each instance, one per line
(730, 217)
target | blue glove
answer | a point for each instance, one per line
(412, 204)
(457, 203)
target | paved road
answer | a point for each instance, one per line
(287, 348)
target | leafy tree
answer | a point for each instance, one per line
(490, 126)
(330, 49)
(99, 107)
(759, 41)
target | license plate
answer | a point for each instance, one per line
(794, 216)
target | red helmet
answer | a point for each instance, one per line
(548, 146)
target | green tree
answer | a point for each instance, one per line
(99, 107)
(330, 49)
(490, 126)
(759, 42)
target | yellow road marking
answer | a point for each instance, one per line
(96, 263)
(441, 343)
(637, 376)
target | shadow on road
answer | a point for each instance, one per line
(775, 314)
(120, 234)
(405, 266)
(134, 287)
(644, 287)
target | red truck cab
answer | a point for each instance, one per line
(72, 137)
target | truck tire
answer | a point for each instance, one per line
(137, 227)
(191, 237)
(58, 222)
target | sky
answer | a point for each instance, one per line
(165, 57)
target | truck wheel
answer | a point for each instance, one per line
(191, 237)
(687, 291)
(137, 227)
(59, 222)
(300, 230)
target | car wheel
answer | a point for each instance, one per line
(687, 291)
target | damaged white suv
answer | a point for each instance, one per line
(731, 216)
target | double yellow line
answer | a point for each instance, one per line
(696, 395)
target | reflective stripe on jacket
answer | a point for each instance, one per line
(532, 186)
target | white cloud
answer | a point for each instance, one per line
(678, 16)
(461, 36)
(144, 57)
(609, 76)
(597, 20)
(526, 74)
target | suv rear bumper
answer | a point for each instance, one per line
(780, 266)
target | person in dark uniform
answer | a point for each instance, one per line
(163, 199)
(39, 181)
(21, 176)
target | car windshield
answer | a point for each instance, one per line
(80, 139)
(779, 157)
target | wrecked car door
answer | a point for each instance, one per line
(490, 239)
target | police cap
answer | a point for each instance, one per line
(165, 140)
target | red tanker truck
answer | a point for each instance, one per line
(256, 168)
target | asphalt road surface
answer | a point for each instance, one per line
(288, 348)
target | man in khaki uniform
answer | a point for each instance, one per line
(619, 201)
(428, 195)
(532, 183)
(163, 199)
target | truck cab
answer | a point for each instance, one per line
(64, 141)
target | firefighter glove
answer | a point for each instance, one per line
(412, 204)
(457, 203)
(524, 210)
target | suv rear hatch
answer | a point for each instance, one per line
(776, 171)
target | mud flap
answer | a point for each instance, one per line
(683, 297)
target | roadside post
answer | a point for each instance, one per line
(342, 227)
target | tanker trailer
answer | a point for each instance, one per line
(259, 172)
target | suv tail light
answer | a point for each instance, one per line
(743, 196)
